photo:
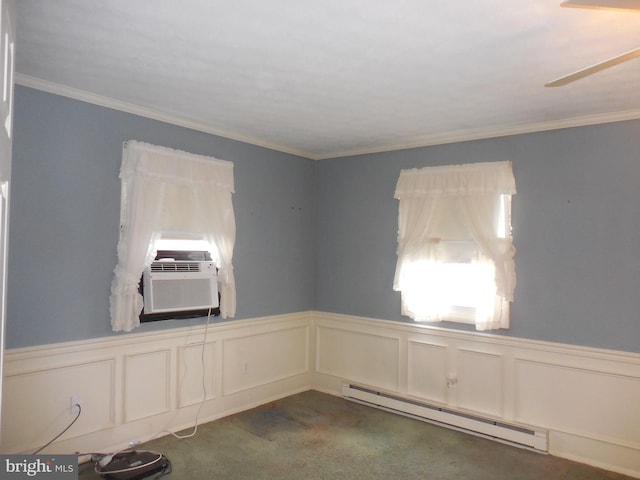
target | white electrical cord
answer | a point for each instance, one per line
(104, 461)
(204, 385)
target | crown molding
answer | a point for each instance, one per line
(423, 141)
(88, 97)
(482, 134)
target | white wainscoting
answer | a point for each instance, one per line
(588, 399)
(140, 385)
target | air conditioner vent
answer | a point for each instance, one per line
(176, 286)
(176, 266)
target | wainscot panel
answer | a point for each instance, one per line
(479, 382)
(147, 381)
(33, 413)
(358, 355)
(259, 359)
(192, 385)
(427, 370)
(609, 394)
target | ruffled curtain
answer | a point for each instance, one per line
(163, 188)
(480, 213)
(415, 251)
(478, 191)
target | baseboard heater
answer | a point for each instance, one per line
(517, 435)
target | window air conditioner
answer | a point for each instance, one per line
(171, 286)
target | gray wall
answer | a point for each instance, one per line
(65, 203)
(576, 227)
(322, 234)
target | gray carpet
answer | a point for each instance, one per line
(318, 436)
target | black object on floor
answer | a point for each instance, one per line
(135, 465)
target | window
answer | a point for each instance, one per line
(171, 196)
(455, 251)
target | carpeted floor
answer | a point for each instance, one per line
(317, 436)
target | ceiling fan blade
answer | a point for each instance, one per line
(603, 4)
(572, 77)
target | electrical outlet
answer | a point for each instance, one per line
(76, 400)
(452, 382)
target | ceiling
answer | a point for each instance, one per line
(332, 78)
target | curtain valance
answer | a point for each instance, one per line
(466, 179)
(175, 166)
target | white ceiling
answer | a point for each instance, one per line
(335, 77)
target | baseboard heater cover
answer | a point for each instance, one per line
(501, 431)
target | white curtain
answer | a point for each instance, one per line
(478, 190)
(162, 190)
(415, 250)
(481, 215)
